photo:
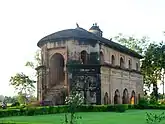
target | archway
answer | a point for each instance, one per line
(117, 97)
(57, 69)
(138, 98)
(106, 98)
(101, 58)
(84, 57)
(125, 96)
(137, 66)
(112, 60)
(121, 62)
(133, 97)
(129, 64)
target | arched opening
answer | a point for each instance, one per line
(112, 60)
(133, 97)
(137, 66)
(57, 69)
(101, 58)
(129, 64)
(117, 97)
(121, 62)
(106, 98)
(125, 97)
(84, 57)
(138, 98)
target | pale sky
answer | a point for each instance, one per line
(24, 22)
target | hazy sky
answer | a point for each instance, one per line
(24, 22)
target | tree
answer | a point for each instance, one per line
(9, 99)
(150, 68)
(36, 62)
(135, 44)
(22, 98)
(152, 63)
(74, 100)
(22, 84)
(1, 98)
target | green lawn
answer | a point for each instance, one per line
(129, 117)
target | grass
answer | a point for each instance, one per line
(129, 117)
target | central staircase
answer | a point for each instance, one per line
(55, 95)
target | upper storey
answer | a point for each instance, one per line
(94, 34)
(96, 30)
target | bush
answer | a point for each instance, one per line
(34, 103)
(162, 101)
(121, 107)
(15, 104)
(32, 110)
(131, 106)
(6, 122)
(153, 101)
(154, 118)
(143, 103)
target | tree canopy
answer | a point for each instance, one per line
(36, 62)
(22, 83)
(135, 44)
(153, 63)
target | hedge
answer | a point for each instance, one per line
(30, 111)
(158, 106)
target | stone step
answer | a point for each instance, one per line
(53, 91)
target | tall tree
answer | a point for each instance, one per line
(1, 98)
(22, 84)
(36, 62)
(133, 43)
(152, 63)
(9, 99)
(151, 68)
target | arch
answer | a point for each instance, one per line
(133, 97)
(125, 97)
(117, 97)
(113, 60)
(101, 58)
(121, 62)
(84, 57)
(57, 64)
(139, 97)
(106, 98)
(137, 66)
(129, 64)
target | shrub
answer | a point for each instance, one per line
(9, 112)
(162, 101)
(143, 103)
(6, 122)
(154, 118)
(153, 101)
(131, 106)
(121, 107)
(15, 104)
(34, 103)
(32, 110)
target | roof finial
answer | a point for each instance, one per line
(77, 25)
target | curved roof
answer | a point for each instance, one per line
(84, 34)
(94, 27)
(68, 33)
